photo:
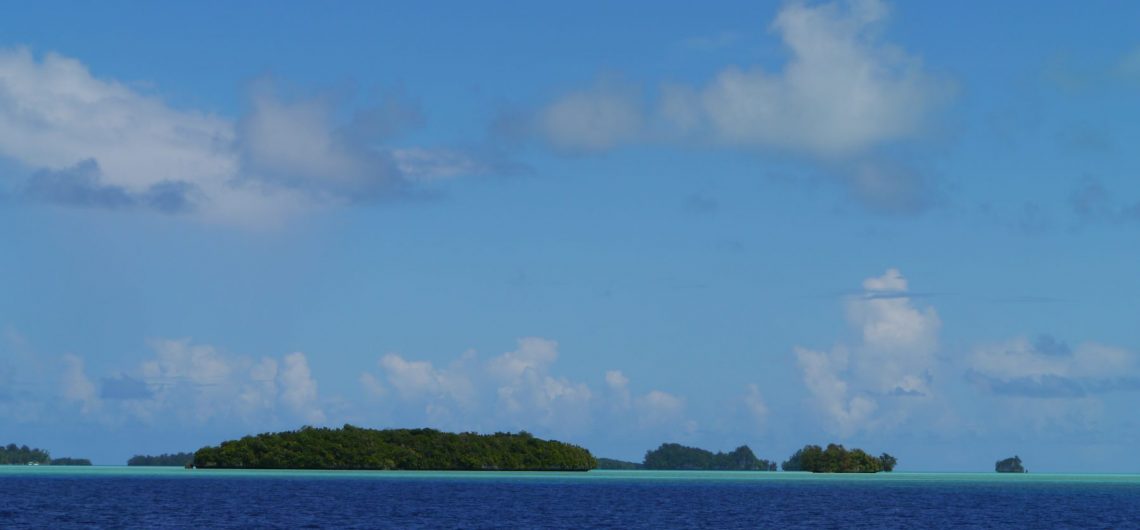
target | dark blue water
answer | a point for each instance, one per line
(32, 500)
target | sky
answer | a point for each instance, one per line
(906, 227)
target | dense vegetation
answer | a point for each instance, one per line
(20, 455)
(65, 461)
(677, 456)
(12, 454)
(1010, 465)
(837, 459)
(610, 463)
(356, 448)
(176, 459)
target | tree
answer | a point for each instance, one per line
(836, 459)
(888, 462)
(357, 448)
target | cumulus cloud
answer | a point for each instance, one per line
(95, 142)
(898, 339)
(658, 407)
(841, 92)
(526, 387)
(894, 357)
(197, 383)
(823, 374)
(1046, 368)
(842, 96)
(518, 389)
(415, 379)
(596, 119)
(298, 389)
(617, 384)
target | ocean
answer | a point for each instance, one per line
(122, 497)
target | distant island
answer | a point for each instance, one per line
(22, 455)
(679, 457)
(406, 449)
(176, 459)
(66, 461)
(1010, 465)
(611, 463)
(837, 459)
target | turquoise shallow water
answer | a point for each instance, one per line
(136, 497)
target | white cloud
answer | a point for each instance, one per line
(596, 119)
(55, 114)
(372, 386)
(532, 354)
(526, 388)
(76, 386)
(841, 92)
(416, 379)
(618, 386)
(659, 408)
(518, 389)
(616, 380)
(95, 142)
(840, 97)
(899, 339)
(823, 374)
(197, 383)
(262, 390)
(428, 165)
(895, 357)
(756, 406)
(1019, 367)
(298, 389)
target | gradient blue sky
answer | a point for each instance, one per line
(905, 227)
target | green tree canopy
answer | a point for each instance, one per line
(427, 449)
(837, 459)
(21, 455)
(677, 456)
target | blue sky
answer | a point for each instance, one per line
(904, 227)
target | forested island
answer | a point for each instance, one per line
(405, 449)
(612, 463)
(176, 459)
(23, 455)
(67, 461)
(1010, 465)
(837, 459)
(680, 457)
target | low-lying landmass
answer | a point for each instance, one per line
(404, 449)
(679, 457)
(837, 459)
(176, 459)
(68, 461)
(22, 455)
(1010, 465)
(611, 463)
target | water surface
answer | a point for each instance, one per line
(118, 497)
